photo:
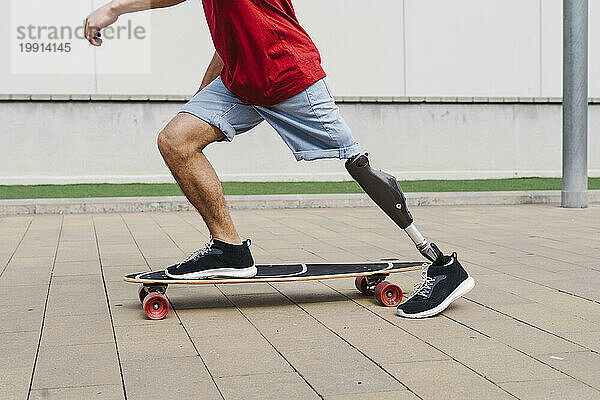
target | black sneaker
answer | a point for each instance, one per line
(216, 259)
(441, 285)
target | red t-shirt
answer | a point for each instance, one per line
(268, 56)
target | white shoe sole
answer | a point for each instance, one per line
(218, 273)
(462, 289)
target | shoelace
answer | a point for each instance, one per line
(422, 288)
(200, 252)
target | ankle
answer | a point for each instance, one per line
(235, 241)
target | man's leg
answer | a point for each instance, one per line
(311, 125)
(212, 115)
(445, 280)
(181, 144)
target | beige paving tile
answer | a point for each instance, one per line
(140, 342)
(566, 256)
(77, 295)
(535, 273)
(75, 284)
(24, 277)
(340, 257)
(470, 312)
(193, 297)
(266, 386)
(571, 305)
(442, 332)
(394, 395)
(229, 356)
(76, 393)
(583, 366)
(116, 274)
(112, 235)
(525, 337)
(72, 366)
(196, 313)
(292, 331)
(157, 250)
(77, 329)
(493, 296)
(542, 316)
(122, 248)
(505, 365)
(451, 378)
(339, 370)
(121, 290)
(295, 255)
(156, 264)
(399, 345)
(475, 350)
(217, 322)
(26, 250)
(588, 339)
(115, 260)
(14, 382)
(32, 262)
(311, 341)
(77, 252)
(67, 268)
(312, 293)
(77, 234)
(18, 349)
(257, 302)
(177, 378)
(560, 389)
(27, 272)
(29, 296)
(245, 289)
(17, 318)
(551, 264)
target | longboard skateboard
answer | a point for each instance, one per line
(370, 279)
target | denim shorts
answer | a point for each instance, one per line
(309, 122)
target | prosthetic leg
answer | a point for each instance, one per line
(385, 191)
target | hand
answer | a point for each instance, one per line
(97, 20)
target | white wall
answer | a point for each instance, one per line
(370, 48)
(477, 48)
(68, 142)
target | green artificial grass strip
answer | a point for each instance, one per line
(256, 188)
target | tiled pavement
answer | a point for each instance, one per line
(71, 328)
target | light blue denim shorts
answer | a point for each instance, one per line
(309, 122)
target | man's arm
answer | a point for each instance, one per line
(213, 71)
(109, 13)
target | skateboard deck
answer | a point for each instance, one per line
(370, 280)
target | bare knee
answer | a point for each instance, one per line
(173, 143)
(186, 135)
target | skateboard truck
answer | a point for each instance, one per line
(366, 284)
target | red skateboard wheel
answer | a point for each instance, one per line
(156, 306)
(388, 294)
(362, 285)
